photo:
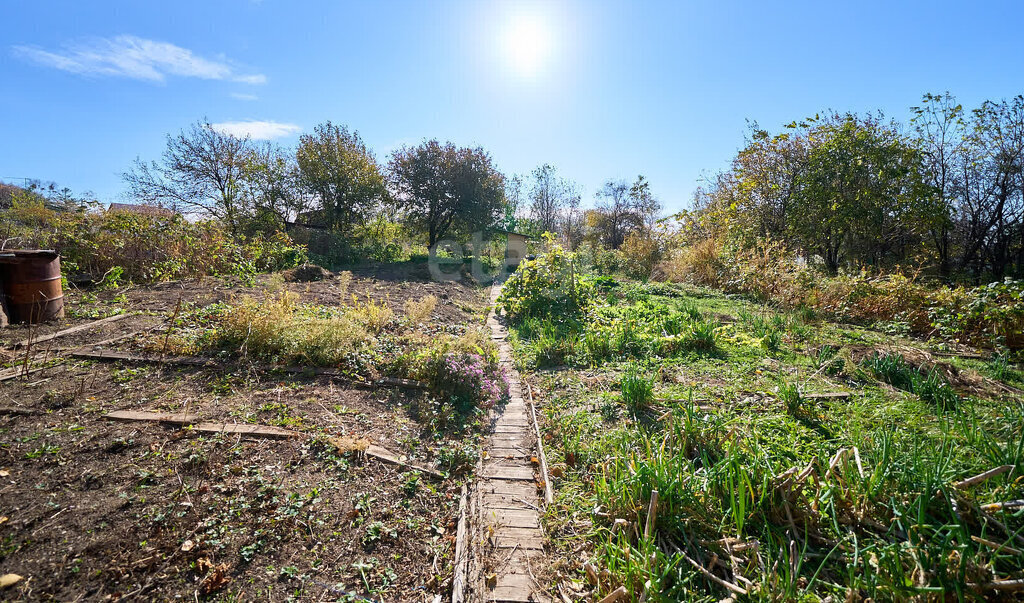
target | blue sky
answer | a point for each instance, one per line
(599, 89)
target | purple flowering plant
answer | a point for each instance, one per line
(466, 380)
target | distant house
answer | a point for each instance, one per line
(515, 246)
(140, 209)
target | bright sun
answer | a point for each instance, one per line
(527, 44)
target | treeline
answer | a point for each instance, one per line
(852, 191)
(333, 181)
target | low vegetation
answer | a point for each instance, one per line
(794, 458)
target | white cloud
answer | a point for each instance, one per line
(244, 97)
(258, 78)
(136, 58)
(256, 130)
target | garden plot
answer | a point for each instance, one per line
(793, 458)
(96, 508)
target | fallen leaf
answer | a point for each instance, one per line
(216, 580)
(4, 473)
(9, 580)
(187, 546)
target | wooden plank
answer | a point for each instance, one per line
(526, 490)
(512, 518)
(499, 502)
(512, 441)
(533, 542)
(382, 454)
(461, 558)
(549, 496)
(508, 473)
(828, 396)
(159, 417)
(18, 371)
(263, 431)
(111, 355)
(18, 410)
(77, 329)
(508, 453)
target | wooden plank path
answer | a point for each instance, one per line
(509, 539)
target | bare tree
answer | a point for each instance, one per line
(201, 171)
(547, 197)
(572, 217)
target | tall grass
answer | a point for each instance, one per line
(929, 385)
(894, 532)
(637, 391)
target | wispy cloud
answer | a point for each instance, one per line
(244, 97)
(256, 130)
(136, 58)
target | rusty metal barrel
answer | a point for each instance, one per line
(30, 282)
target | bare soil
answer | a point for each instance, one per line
(92, 509)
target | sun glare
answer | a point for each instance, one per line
(527, 44)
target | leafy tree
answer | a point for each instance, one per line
(341, 176)
(623, 209)
(201, 171)
(862, 191)
(271, 186)
(441, 187)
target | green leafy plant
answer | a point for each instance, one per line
(549, 286)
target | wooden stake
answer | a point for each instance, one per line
(549, 496)
(652, 513)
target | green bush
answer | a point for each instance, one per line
(145, 248)
(464, 374)
(550, 286)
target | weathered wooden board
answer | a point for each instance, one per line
(76, 329)
(160, 417)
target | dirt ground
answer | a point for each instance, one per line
(92, 509)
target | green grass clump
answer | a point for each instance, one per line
(701, 336)
(856, 500)
(930, 385)
(637, 392)
(789, 394)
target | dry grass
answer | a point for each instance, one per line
(278, 329)
(420, 311)
(344, 282)
(374, 316)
